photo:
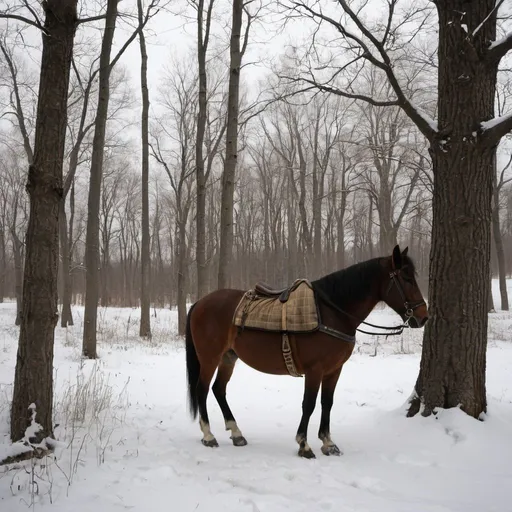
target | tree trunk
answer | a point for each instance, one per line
(92, 241)
(498, 242)
(228, 177)
(66, 315)
(453, 362)
(145, 301)
(182, 279)
(202, 47)
(292, 234)
(33, 381)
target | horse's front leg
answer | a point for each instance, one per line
(311, 386)
(324, 433)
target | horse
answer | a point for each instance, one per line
(344, 299)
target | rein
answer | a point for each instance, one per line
(397, 329)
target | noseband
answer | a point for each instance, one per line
(409, 306)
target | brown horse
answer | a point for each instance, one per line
(345, 299)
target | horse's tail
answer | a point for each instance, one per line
(193, 367)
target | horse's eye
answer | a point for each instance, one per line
(408, 278)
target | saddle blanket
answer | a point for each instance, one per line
(298, 314)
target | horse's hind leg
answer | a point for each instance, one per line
(203, 387)
(219, 390)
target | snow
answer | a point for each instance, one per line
(431, 122)
(487, 125)
(127, 441)
(504, 40)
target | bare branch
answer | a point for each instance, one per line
(493, 130)
(92, 18)
(24, 20)
(339, 92)
(498, 49)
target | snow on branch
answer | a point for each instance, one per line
(494, 129)
(499, 48)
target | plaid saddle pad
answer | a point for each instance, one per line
(298, 314)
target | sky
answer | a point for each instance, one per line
(172, 34)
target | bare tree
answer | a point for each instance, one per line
(230, 162)
(496, 230)
(145, 300)
(203, 40)
(462, 147)
(92, 255)
(33, 382)
(179, 101)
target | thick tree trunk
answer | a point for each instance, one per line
(145, 302)
(228, 177)
(33, 382)
(92, 241)
(452, 371)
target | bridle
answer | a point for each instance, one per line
(409, 306)
(397, 329)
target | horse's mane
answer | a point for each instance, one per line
(354, 283)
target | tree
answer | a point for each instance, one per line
(462, 147)
(228, 176)
(92, 254)
(203, 40)
(33, 382)
(496, 230)
(145, 301)
(179, 104)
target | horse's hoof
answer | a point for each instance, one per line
(306, 454)
(239, 441)
(212, 443)
(331, 450)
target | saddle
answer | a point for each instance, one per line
(264, 290)
(290, 310)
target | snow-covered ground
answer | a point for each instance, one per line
(128, 441)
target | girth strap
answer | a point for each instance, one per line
(286, 347)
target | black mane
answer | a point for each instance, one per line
(350, 284)
(355, 283)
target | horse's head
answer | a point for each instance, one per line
(401, 292)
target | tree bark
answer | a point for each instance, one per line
(33, 382)
(228, 177)
(453, 362)
(145, 301)
(92, 242)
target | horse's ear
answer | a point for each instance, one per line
(404, 252)
(397, 258)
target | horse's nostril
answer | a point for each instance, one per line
(423, 321)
